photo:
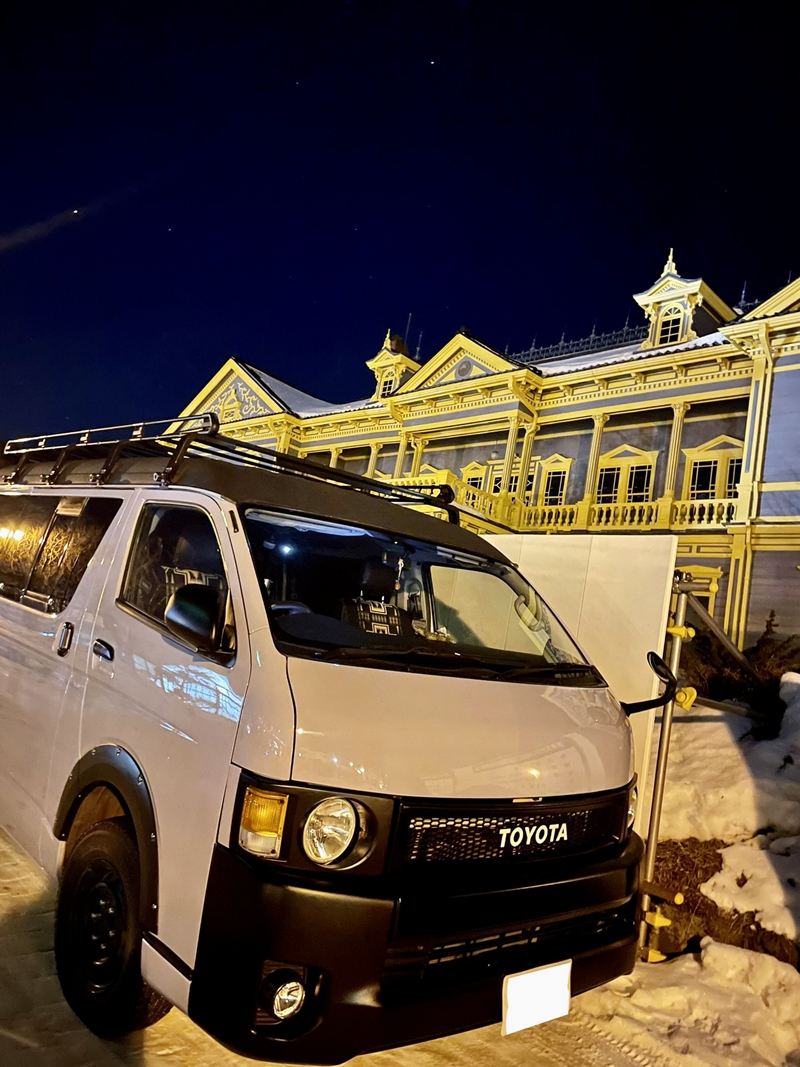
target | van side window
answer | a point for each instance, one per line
(72, 540)
(23, 522)
(174, 546)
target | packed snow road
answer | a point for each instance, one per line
(37, 1029)
(734, 1006)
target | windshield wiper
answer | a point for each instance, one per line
(482, 671)
(551, 669)
(360, 652)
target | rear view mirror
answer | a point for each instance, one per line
(660, 668)
(194, 614)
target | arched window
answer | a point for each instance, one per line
(670, 328)
(388, 383)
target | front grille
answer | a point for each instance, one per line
(456, 961)
(510, 833)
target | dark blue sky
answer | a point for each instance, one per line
(286, 180)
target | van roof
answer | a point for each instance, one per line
(192, 453)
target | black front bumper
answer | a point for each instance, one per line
(383, 971)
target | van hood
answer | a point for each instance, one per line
(426, 735)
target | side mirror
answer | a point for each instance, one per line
(660, 668)
(194, 614)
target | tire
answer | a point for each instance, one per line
(98, 936)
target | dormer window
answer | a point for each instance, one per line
(670, 328)
(387, 385)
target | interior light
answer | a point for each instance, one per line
(286, 550)
(18, 535)
(261, 824)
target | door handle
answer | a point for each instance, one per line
(103, 650)
(65, 639)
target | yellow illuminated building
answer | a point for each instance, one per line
(689, 424)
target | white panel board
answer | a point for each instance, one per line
(612, 592)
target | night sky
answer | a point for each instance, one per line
(285, 181)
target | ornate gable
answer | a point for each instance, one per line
(459, 361)
(784, 301)
(723, 443)
(234, 395)
(626, 452)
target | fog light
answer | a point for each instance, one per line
(288, 999)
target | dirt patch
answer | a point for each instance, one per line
(683, 866)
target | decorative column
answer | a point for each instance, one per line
(525, 460)
(755, 435)
(374, 449)
(418, 445)
(594, 458)
(679, 413)
(401, 455)
(511, 452)
(335, 453)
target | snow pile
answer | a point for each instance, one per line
(730, 1005)
(761, 882)
(722, 784)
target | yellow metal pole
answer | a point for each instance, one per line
(677, 630)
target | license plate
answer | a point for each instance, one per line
(536, 996)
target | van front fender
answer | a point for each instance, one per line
(110, 766)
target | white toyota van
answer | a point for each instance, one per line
(313, 765)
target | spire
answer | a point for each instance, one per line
(669, 266)
(387, 341)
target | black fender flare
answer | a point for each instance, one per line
(113, 767)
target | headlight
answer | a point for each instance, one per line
(633, 802)
(330, 830)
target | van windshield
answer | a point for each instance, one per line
(350, 594)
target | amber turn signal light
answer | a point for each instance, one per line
(261, 827)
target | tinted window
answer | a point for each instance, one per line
(174, 546)
(23, 522)
(75, 532)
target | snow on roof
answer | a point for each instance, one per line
(591, 360)
(300, 403)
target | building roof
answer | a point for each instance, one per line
(622, 354)
(299, 403)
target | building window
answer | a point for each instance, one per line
(704, 479)
(497, 481)
(608, 485)
(555, 485)
(639, 478)
(670, 329)
(513, 483)
(475, 483)
(387, 385)
(529, 480)
(713, 470)
(733, 479)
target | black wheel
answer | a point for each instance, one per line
(98, 939)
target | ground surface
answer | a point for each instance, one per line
(37, 1029)
(728, 1005)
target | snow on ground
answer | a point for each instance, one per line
(721, 784)
(729, 1006)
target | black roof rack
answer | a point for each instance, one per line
(195, 436)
